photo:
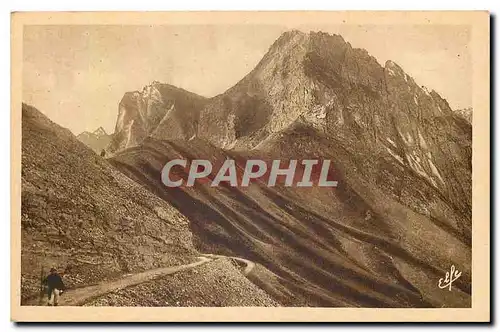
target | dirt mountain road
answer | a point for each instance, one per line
(79, 296)
(76, 297)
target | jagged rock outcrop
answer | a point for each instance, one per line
(159, 110)
(97, 140)
(323, 81)
(466, 113)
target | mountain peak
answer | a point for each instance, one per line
(393, 68)
(465, 113)
(100, 132)
(286, 41)
(300, 37)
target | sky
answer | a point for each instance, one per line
(77, 74)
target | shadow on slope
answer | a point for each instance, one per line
(319, 243)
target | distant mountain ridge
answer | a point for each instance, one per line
(100, 132)
(97, 140)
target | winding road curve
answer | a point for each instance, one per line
(249, 265)
(80, 296)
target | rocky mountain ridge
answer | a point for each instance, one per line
(82, 216)
(466, 113)
(97, 140)
(92, 223)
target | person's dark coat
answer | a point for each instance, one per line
(53, 281)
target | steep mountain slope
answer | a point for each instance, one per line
(84, 217)
(97, 140)
(319, 242)
(159, 110)
(369, 109)
(401, 215)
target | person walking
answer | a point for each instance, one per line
(55, 287)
